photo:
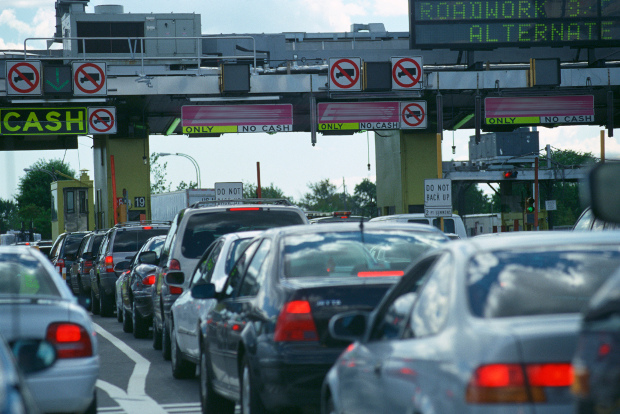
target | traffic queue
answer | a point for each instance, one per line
(273, 313)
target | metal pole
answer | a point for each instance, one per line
(602, 146)
(536, 194)
(115, 200)
(259, 193)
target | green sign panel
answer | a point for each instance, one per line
(43, 121)
(57, 80)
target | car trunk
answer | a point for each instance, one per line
(29, 318)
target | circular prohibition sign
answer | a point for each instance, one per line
(413, 110)
(414, 78)
(96, 117)
(342, 72)
(32, 84)
(89, 77)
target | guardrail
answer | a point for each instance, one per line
(134, 54)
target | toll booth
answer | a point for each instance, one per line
(72, 205)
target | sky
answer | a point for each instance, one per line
(288, 160)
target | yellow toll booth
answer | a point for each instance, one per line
(72, 205)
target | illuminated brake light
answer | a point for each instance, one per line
(245, 209)
(109, 263)
(149, 280)
(71, 340)
(381, 273)
(147, 228)
(516, 383)
(341, 214)
(295, 323)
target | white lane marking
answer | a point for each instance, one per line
(135, 399)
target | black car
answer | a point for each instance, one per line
(64, 252)
(80, 269)
(596, 363)
(266, 342)
(136, 303)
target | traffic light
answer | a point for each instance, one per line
(511, 174)
(529, 204)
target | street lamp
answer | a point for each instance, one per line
(165, 154)
(48, 172)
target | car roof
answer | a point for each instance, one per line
(347, 227)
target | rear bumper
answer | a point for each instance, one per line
(68, 386)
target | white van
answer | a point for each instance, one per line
(451, 225)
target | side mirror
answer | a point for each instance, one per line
(175, 278)
(122, 266)
(149, 257)
(203, 291)
(602, 192)
(348, 326)
(34, 355)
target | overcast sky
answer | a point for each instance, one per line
(287, 160)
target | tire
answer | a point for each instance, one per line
(140, 328)
(106, 303)
(156, 336)
(250, 400)
(181, 368)
(92, 408)
(127, 322)
(210, 401)
(165, 341)
(94, 302)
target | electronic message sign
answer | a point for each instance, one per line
(488, 24)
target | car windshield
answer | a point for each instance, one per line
(538, 281)
(202, 229)
(24, 275)
(133, 240)
(355, 254)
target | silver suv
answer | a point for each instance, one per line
(193, 230)
(121, 243)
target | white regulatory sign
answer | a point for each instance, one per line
(438, 197)
(228, 191)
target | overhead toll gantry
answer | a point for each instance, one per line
(490, 66)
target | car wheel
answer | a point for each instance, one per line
(106, 303)
(140, 328)
(180, 367)
(210, 401)
(127, 321)
(92, 408)
(165, 341)
(156, 336)
(94, 302)
(250, 400)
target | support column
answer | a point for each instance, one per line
(404, 161)
(133, 180)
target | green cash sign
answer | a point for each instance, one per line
(43, 121)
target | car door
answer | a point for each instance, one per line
(217, 344)
(361, 366)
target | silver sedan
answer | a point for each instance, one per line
(492, 329)
(35, 303)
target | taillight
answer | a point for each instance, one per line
(109, 263)
(174, 290)
(147, 228)
(244, 209)
(88, 264)
(295, 323)
(60, 263)
(149, 280)
(516, 383)
(71, 340)
(174, 264)
(381, 273)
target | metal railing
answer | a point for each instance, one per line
(134, 53)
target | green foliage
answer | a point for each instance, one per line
(476, 201)
(271, 191)
(159, 183)
(183, 185)
(365, 199)
(323, 197)
(34, 198)
(9, 219)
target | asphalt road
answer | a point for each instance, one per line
(134, 378)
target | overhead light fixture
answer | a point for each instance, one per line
(233, 99)
(53, 101)
(173, 126)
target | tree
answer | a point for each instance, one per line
(365, 198)
(159, 183)
(250, 191)
(323, 197)
(183, 185)
(9, 219)
(34, 198)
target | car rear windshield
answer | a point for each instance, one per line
(538, 281)
(355, 254)
(24, 275)
(202, 229)
(133, 240)
(72, 244)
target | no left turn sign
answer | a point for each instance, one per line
(413, 115)
(23, 78)
(406, 72)
(89, 78)
(102, 120)
(344, 73)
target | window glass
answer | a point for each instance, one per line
(83, 246)
(585, 221)
(355, 254)
(432, 307)
(205, 268)
(83, 203)
(448, 225)
(98, 238)
(538, 281)
(235, 251)
(70, 206)
(24, 275)
(72, 243)
(418, 221)
(133, 240)
(237, 271)
(598, 225)
(56, 247)
(172, 233)
(255, 275)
